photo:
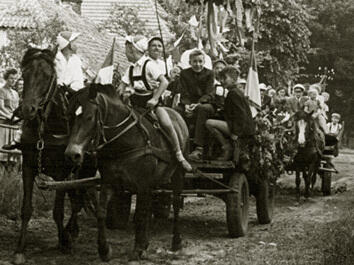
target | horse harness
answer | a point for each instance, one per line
(136, 120)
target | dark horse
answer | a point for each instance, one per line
(132, 156)
(43, 110)
(308, 157)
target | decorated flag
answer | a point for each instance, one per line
(252, 90)
(105, 74)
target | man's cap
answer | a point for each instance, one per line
(64, 38)
(336, 115)
(241, 81)
(262, 86)
(312, 90)
(219, 61)
(154, 38)
(299, 86)
(138, 41)
(318, 87)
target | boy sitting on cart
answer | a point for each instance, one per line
(238, 124)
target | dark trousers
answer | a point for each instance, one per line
(202, 113)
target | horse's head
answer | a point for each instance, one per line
(92, 110)
(304, 127)
(39, 78)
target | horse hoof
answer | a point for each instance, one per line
(19, 258)
(135, 255)
(133, 262)
(66, 245)
(105, 253)
(176, 244)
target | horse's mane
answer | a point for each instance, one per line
(35, 53)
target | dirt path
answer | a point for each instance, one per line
(292, 238)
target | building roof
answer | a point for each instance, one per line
(99, 11)
(93, 43)
(5, 3)
(20, 14)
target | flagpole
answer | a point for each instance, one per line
(163, 44)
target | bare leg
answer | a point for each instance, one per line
(26, 212)
(166, 122)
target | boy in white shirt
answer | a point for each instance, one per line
(68, 64)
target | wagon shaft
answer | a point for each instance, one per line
(69, 184)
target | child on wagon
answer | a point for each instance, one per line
(238, 122)
(146, 79)
(197, 98)
(334, 127)
(313, 105)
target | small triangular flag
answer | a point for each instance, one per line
(105, 74)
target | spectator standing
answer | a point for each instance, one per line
(9, 101)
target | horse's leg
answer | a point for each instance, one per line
(58, 216)
(306, 176)
(104, 249)
(142, 216)
(177, 184)
(298, 182)
(26, 212)
(71, 231)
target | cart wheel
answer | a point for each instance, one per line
(161, 206)
(265, 202)
(237, 206)
(326, 183)
(118, 211)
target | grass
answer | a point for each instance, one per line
(11, 192)
(339, 242)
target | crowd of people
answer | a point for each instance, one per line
(210, 96)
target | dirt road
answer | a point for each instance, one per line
(296, 235)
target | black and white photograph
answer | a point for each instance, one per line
(177, 132)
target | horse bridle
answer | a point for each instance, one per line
(43, 110)
(101, 127)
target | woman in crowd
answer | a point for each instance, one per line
(9, 101)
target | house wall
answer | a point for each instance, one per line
(3, 38)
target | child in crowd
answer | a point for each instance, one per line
(238, 122)
(334, 127)
(313, 106)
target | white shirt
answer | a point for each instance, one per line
(334, 128)
(154, 69)
(69, 72)
(220, 90)
(184, 61)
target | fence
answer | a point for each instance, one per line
(10, 155)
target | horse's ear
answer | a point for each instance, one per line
(92, 91)
(55, 49)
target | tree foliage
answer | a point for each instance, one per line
(42, 35)
(125, 21)
(332, 43)
(282, 40)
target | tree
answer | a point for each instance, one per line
(43, 34)
(125, 21)
(282, 41)
(332, 41)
